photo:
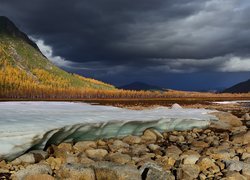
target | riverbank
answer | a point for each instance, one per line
(220, 151)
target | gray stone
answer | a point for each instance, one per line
(119, 158)
(246, 117)
(96, 154)
(114, 171)
(151, 171)
(75, 171)
(188, 172)
(32, 170)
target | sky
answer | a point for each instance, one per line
(175, 44)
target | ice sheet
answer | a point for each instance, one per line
(232, 102)
(34, 125)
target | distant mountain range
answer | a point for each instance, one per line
(24, 70)
(243, 87)
(141, 86)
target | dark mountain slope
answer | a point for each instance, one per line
(243, 87)
(140, 86)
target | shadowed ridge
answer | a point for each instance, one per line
(7, 27)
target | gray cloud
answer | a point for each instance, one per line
(175, 36)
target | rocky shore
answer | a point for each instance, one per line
(221, 151)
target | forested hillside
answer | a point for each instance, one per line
(26, 72)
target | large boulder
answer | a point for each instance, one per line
(84, 145)
(242, 138)
(235, 176)
(31, 157)
(96, 154)
(228, 118)
(98, 170)
(119, 158)
(188, 171)
(206, 163)
(76, 171)
(32, 170)
(111, 171)
(117, 145)
(151, 171)
(246, 117)
(39, 177)
(132, 139)
(151, 135)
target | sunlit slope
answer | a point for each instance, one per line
(23, 66)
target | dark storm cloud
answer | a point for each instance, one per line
(154, 35)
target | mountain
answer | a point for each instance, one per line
(243, 87)
(24, 69)
(140, 86)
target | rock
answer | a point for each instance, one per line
(239, 129)
(188, 172)
(245, 155)
(40, 154)
(32, 170)
(96, 154)
(221, 155)
(26, 158)
(228, 118)
(176, 106)
(173, 151)
(246, 117)
(5, 176)
(235, 176)
(86, 160)
(39, 177)
(117, 145)
(66, 146)
(84, 145)
(192, 159)
(246, 170)
(243, 138)
(31, 157)
(76, 171)
(166, 162)
(72, 158)
(247, 147)
(248, 124)
(3, 170)
(151, 135)
(132, 139)
(138, 150)
(202, 176)
(247, 160)
(233, 165)
(55, 163)
(199, 144)
(189, 153)
(204, 163)
(114, 171)
(3, 164)
(101, 143)
(59, 152)
(220, 126)
(153, 147)
(177, 139)
(220, 164)
(119, 158)
(151, 171)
